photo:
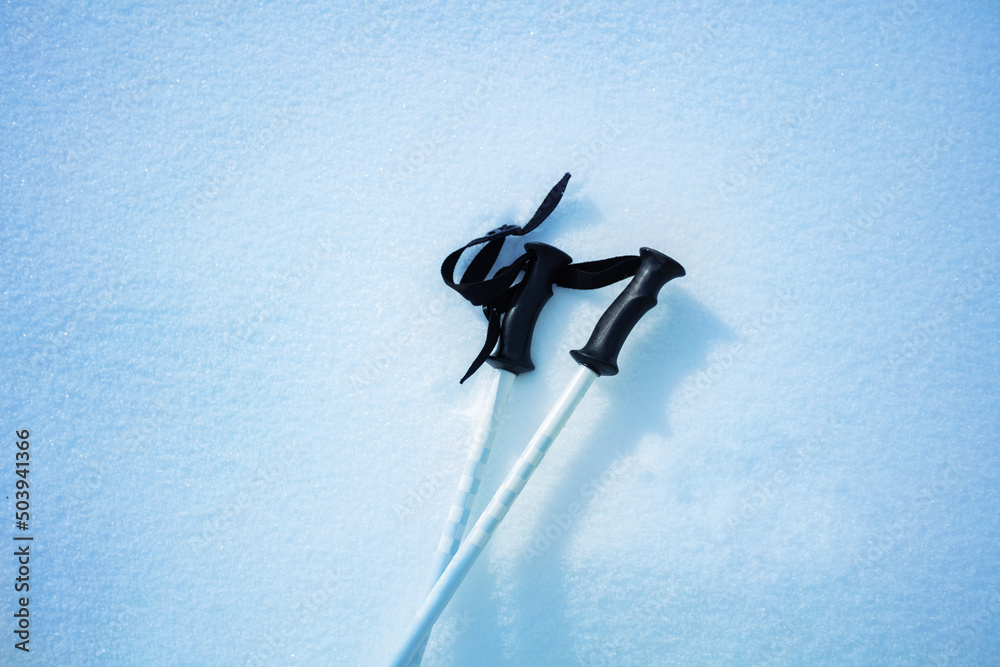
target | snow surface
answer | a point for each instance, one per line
(224, 326)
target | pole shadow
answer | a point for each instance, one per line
(683, 332)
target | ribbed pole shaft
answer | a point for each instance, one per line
(468, 485)
(491, 517)
(465, 494)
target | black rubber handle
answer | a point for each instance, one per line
(600, 354)
(514, 351)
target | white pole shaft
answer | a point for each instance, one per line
(484, 528)
(468, 485)
(465, 494)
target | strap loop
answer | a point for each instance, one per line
(495, 294)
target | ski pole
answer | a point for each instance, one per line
(598, 357)
(513, 357)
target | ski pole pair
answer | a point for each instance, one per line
(598, 357)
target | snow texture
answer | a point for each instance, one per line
(224, 326)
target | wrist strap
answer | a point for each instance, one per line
(495, 294)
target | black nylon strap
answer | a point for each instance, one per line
(598, 273)
(495, 294)
(473, 285)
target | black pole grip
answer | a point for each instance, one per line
(600, 354)
(514, 351)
